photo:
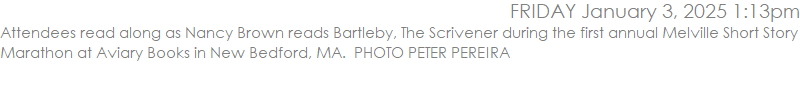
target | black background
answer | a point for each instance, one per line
(544, 67)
